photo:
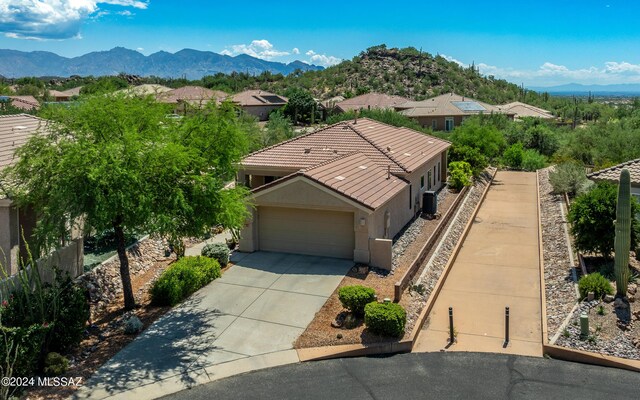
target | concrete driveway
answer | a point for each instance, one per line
(246, 320)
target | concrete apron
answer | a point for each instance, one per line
(246, 320)
(497, 267)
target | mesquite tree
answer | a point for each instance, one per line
(116, 162)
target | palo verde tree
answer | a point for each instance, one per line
(118, 163)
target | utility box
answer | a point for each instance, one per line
(430, 202)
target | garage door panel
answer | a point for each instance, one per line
(301, 231)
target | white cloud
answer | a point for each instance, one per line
(53, 19)
(322, 59)
(258, 48)
(554, 74)
(140, 49)
(295, 50)
(126, 13)
(449, 58)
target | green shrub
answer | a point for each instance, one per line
(532, 160)
(62, 305)
(471, 155)
(569, 177)
(460, 174)
(55, 364)
(387, 319)
(591, 216)
(513, 156)
(182, 279)
(217, 251)
(28, 342)
(595, 283)
(355, 298)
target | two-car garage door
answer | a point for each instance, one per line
(304, 231)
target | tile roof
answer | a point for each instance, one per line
(449, 104)
(26, 103)
(371, 100)
(401, 149)
(66, 93)
(354, 176)
(612, 174)
(147, 89)
(15, 130)
(526, 110)
(192, 95)
(258, 98)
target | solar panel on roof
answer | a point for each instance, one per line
(468, 106)
(273, 99)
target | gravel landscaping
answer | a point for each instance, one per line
(559, 274)
(414, 301)
(606, 334)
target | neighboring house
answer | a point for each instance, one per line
(148, 89)
(330, 104)
(340, 191)
(191, 97)
(15, 130)
(444, 112)
(65, 95)
(259, 103)
(370, 101)
(612, 174)
(17, 224)
(522, 110)
(25, 103)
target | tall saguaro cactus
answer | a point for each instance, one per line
(623, 233)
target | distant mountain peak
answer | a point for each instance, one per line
(189, 63)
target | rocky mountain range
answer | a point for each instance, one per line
(187, 63)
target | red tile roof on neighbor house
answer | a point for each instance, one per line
(371, 101)
(192, 95)
(65, 93)
(354, 176)
(612, 174)
(26, 103)
(447, 105)
(526, 110)
(250, 98)
(400, 149)
(15, 130)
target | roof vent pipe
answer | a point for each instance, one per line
(355, 120)
(388, 171)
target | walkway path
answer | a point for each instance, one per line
(497, 266)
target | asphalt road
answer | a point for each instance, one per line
(453, 375)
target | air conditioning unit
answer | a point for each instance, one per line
(430, 202)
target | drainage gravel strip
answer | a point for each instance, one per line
(558, 269)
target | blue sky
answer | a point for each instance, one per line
(537, 43)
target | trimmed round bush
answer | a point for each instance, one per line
(217, 251)
(182, 279)
(355, 298)
(386, 319)
(595, 283)
(55, 364)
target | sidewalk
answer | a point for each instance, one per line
(498, 266)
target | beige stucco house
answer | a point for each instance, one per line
(259, 103)
(370, 101)
(15, 130)
(445, 112)
(342, 191)
(524, 110)
(191, 97)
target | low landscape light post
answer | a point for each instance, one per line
(506, 327)
(451, 335)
